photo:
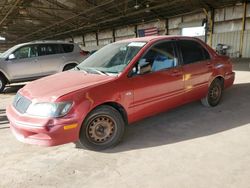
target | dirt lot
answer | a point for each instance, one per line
(191, 146)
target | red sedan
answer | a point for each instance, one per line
(121, 83)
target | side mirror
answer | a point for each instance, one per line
(144, 67)
(11, 56)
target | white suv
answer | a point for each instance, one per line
(33, 60)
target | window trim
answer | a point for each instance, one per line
(175, 47)
(196, 41)
(31, 45)
(41, 44)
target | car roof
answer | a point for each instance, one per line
(156, 38)
(46, 42)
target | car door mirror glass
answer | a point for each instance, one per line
(11, 56)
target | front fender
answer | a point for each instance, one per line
(5, 74)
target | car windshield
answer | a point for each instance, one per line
(111, 59)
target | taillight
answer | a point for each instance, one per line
(83, 53)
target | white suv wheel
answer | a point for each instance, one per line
(2, 83)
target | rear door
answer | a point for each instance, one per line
(72, 53)
(161, 87)
(25, 65)
(51, 58)
(197, 68)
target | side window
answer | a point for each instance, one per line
(26, 52)
(192, 51)
(49, 49)
(206, 54)
(159, 57)
(67, 48)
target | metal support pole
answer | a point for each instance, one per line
(136, 32)
(243, 28)
(83, 40)
(167, 27)
(97, 40)
(206, 29)
(113, 31)
(210, 20)
(72, 38)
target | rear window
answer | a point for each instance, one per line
(49, 49)
(192, 51)
(67, 48)
(206, 54)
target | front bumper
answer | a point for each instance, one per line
(42, 131)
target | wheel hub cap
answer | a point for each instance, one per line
(215, 93)
(101, 129)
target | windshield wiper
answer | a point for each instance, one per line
(76, 67)
(98, 71)
(91, 70)
(79, 69)
(102, 72)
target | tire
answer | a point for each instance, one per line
(2, 83)
(68, 67)
(103, 128)
(214, 94)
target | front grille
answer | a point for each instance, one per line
(21, 103)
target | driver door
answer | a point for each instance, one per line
(159, 84)
(25, 64)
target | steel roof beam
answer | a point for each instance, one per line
(117, 18)
(9, 12)
(62, 21)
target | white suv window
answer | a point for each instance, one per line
(26, 52)
(67, 48)
(49, 49)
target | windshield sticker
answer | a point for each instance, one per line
(123, 48)
(137, 44)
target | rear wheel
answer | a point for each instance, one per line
(103, 128)
(68, 67)
(214, 94)
(2, 83)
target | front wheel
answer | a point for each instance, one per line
(214, 94)
(103, 128)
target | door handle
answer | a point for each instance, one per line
(176, 73)
(209, 65)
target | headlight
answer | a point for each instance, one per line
(49, 109)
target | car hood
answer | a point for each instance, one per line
(52, 87)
